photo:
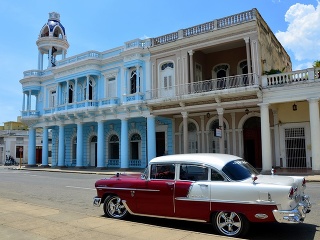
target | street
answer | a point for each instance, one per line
(59, 206)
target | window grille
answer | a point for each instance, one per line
(295, 148)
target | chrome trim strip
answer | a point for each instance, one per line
(260, 202)
(156, 216)
(130, 189)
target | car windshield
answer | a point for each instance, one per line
(238, 170)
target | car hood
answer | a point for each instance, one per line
(127, 176)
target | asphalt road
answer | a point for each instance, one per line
(71, 194)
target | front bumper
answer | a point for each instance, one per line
(296, 215)
(96, 201)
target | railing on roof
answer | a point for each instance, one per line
(305, 75)
(206, 27)
(83, 56)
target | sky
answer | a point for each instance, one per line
(105, 24)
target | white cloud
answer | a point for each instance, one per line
(303, 34)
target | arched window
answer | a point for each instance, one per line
(114, 147)
(90, 89)
(220, 73)
(70, 94)
(135, 145)
(167, 79)
(243, 68)
(134, 85)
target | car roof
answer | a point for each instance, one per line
(216, 160)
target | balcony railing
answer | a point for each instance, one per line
(30, 114)
(135, 97)
(80, 57)
(211, 85)
(305, 75)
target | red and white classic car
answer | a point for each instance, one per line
(222, 189)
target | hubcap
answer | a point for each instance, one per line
(116, 208)
(229, 223)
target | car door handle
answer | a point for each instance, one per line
(203, 185)
(169, 183)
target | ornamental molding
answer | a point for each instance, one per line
(77, 70)
(111, 74)
(135, 56)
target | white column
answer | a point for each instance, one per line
(315, 132)
(191, 66)
(256, 58)
(234, 137)
(39, 60)
(221, 140)
(247, 40)
(265, 137)
(29, 101)
(24, 102)
(203, 149)
(185, 132)
(276, 137)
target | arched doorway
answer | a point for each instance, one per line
(252, 142)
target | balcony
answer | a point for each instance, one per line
(228, 85)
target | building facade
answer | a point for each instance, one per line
(14, 142)
(199, 89)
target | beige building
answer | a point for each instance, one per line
(207, 78)
(14, 142)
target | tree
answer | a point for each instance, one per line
(316, 63)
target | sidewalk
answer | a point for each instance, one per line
(309, 175)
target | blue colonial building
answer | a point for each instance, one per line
(205, 88)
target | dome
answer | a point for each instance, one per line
(53, 28)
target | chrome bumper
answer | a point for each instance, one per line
(96, 201)
(296, 215)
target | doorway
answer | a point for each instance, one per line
(93, 152)
(252, 142)
(160, 143)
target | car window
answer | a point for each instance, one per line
(162, 171)
(239, 169)
(216, 176)
(193, 172)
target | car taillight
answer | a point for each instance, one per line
(304, 182)
(292, 192)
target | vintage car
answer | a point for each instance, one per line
(221, 189)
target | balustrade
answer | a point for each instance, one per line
(203, 86)
(290, 77)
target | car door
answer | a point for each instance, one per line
(157, 198)
(192, 192)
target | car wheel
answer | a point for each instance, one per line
(114, 208)
(230, 224)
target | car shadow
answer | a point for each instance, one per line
(262, 231)
(283, 231)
